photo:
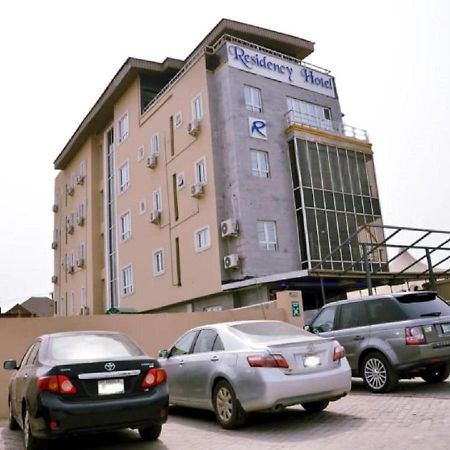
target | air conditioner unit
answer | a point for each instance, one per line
(229, 228)
(54, 245)
(80, 262)
(54, 279)
(70, 228)
(84, 311)
(231, 261)
(155, 216)
(152, 161)
(80, 179)
(194, 128)
(80, 220)
(55, 208)
(70, 189)
(197, 190)
(70, 269)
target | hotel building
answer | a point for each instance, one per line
(212, 183)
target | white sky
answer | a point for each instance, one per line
(391, 60)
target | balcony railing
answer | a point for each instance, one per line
(334, 126)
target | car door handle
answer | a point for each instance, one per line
(214, 359)
(181, 363)
(358, 338)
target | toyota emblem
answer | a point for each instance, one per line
(110, 366)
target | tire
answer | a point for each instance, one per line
(313, 407)
(12, 423)
(150, 433)
(377, 373)
(29, 441)
(229, 413)
(437, 375)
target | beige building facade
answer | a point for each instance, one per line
(184, 188)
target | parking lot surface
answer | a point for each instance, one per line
(416, 416)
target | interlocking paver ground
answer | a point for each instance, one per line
(417, 416)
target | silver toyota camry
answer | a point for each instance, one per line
(238, 367)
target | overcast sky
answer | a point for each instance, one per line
(391, 60)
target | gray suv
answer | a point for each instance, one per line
(389, 337)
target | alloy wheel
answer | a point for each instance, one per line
(375, 373)
(224, 404)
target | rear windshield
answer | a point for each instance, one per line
(79, 347)
(424, 304)
(261, 331)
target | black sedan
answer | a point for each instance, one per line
(85, 382)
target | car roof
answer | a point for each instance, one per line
(376, 297)
(220, 325)
(78, 333)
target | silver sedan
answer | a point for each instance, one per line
(238, 367)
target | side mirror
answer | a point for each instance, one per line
(307, 328)
(164, 353)
(10, 364)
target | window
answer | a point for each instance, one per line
(324, 321)
(385, 310)
(142, 207)
(202, 239)
(62, 307)
(200, 171)
(157, 200)
(83, 297)
(140, 153)
(253, 99)
(267, 235)
(154, 144)
(158, 262)
(178, 119)
(184, 344)
(260, 163)
(123, 128)
(309, 114)
(205, 341)
(125, 226)
(71, 304)
(82, 252)
(127, 280)
(197, 108)
(124, 177)
(353, 315)
(82, 169)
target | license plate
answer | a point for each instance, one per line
(311, 361)
(446, 328)
(109, 387)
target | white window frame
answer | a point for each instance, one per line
(123, 127)
(267, 244)
(310, 113)
(124, 181)
(197, 108)
(202, 239)
(158, 262)
(62, 306)
(71, 304)
(140, 153)
(82, 169)
(178, 119)
(83, 297)
(82, 252)
(126, 280)
(157, 200)
(125, 226)
(201, 175)
(142, 206)
(259, 170)
(155, 144)
(253, 98)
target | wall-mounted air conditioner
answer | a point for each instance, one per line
(232, 261)
(193, 128)
(155, 216)
(152, 161)
(197, 190)
(229, 228)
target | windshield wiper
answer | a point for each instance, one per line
(432, 314)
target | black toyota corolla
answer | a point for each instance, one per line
(85, 382)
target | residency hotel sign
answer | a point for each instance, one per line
(280, 70)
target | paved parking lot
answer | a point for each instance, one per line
(417, 416)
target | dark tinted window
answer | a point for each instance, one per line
(325, 320)
(352, 315)
(205, 341)
(424, 304)
(78, 347)
(184, 345)
(384, 310)
(218, 345)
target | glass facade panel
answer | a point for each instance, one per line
(341, 200)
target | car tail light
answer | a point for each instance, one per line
(414, 336)
(267, 360)
(338, 353)
(153, 378)
(60, 384)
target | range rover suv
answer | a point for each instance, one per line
(390, 337)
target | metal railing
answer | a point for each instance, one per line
(319, 123)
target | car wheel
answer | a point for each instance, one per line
(437, 375)
(30, 442)
(13, 425)
(228, 411)
(377, 373)
(313, 407)
(150, 433)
